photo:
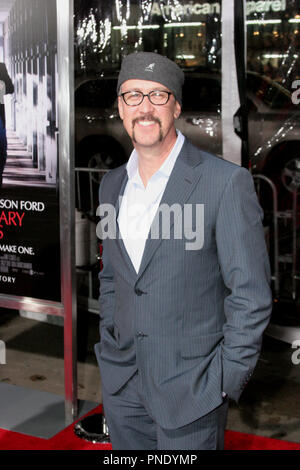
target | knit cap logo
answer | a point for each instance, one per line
(150, 67)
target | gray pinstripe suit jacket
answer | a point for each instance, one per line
(191, 321)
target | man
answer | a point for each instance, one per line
(181, 322)
(6, 87)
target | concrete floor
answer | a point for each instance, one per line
(269, 406)
(34, 354)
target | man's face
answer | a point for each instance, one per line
(148, 124)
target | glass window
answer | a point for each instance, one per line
(201, 94)
(100, 93)
(273, 39)
(186, 32)
(269, 92)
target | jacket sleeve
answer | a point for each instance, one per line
(245, 269)
(106, 277)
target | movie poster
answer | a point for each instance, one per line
(29, 244)
(29, 197)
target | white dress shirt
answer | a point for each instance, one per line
(139, 204)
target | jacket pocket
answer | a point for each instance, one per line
(203, 345)
(110, 335)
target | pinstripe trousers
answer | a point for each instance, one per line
(132, 428)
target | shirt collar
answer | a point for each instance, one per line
(165, 169)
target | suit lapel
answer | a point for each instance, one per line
(118, 189)
(182, 182)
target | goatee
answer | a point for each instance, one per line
(147, 117)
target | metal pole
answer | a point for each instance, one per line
(275, 226)
(231, 143)
(65, 50)
(294, 271)
(77, 176)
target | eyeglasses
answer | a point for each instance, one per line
(156, 97)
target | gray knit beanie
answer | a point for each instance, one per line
(153, 67)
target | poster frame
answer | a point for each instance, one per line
(67, 308)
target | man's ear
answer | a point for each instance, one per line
(120, 107)
(177, 110)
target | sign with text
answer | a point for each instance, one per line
(29, 199)
(29, 244)
(210, 8)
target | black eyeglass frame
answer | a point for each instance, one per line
(149, 97)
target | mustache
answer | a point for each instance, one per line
(146, 117)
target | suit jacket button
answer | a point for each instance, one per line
(141, 335)
(138, 291)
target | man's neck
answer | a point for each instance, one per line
(151, 159)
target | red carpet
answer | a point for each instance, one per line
(67, 440)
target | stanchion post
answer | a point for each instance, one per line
(65, 53)
(295, 247)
